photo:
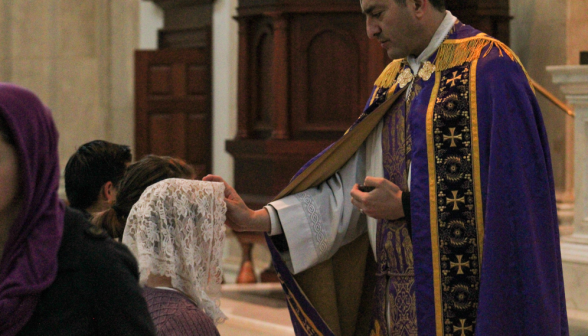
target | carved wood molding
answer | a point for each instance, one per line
(282, 3)
(275, 7)
(490, 16)
(167, 4)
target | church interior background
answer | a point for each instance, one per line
(79, 57)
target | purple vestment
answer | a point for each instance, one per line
(485, 244)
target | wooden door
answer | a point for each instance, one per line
(173, 105)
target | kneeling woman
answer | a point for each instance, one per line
(176, 231)
(59, 275)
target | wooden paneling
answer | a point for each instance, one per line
(489, 16)
(304, 75)
(306, 69)
(173, 105)
(198, 131)
(159, 80)
(171, 4)
(184, 38)
(264, 167)
(198, 80)
(167, 134)
(262, 94)
(173, 87)
(329, 74)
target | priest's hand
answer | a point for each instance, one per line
(239, 216)
(384, 202)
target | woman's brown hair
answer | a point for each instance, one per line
(140, 175)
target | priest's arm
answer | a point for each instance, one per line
(316, 222)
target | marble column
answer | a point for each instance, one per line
(573, 82)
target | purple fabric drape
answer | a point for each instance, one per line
(520, 290)
(29, 262)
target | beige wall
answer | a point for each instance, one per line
(77, 55)
(538, 36)
(552, 32)
(577, 29)
(224, 84)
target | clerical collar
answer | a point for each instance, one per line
(438, 38)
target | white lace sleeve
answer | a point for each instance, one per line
(318, 221)
(176, 229)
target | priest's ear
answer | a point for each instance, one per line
(430, 12)
(418, 7)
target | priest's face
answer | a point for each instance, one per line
(394, 25)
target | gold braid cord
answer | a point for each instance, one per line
(453, 53)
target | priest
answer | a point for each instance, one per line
(459, 233)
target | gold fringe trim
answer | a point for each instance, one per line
(454, 53)
(388, 76)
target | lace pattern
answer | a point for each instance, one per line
(312, 212)
(176, 229)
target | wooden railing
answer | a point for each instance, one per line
(561, 105)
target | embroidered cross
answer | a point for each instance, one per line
(452, 137)
(459, 264)
(455, 200)
(452, 80)
(463, 328)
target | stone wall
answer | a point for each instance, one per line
(77, 55)
(577, 30)
(538, 35)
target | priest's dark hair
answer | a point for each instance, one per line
(438, 4)
(90, 167)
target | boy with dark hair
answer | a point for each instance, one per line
(92, 174)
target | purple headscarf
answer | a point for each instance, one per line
(29, 262)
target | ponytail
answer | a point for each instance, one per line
(111, 222)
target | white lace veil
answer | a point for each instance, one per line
(176, 229)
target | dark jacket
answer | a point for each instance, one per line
(96, 291)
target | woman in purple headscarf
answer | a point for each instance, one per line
(58, 274)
